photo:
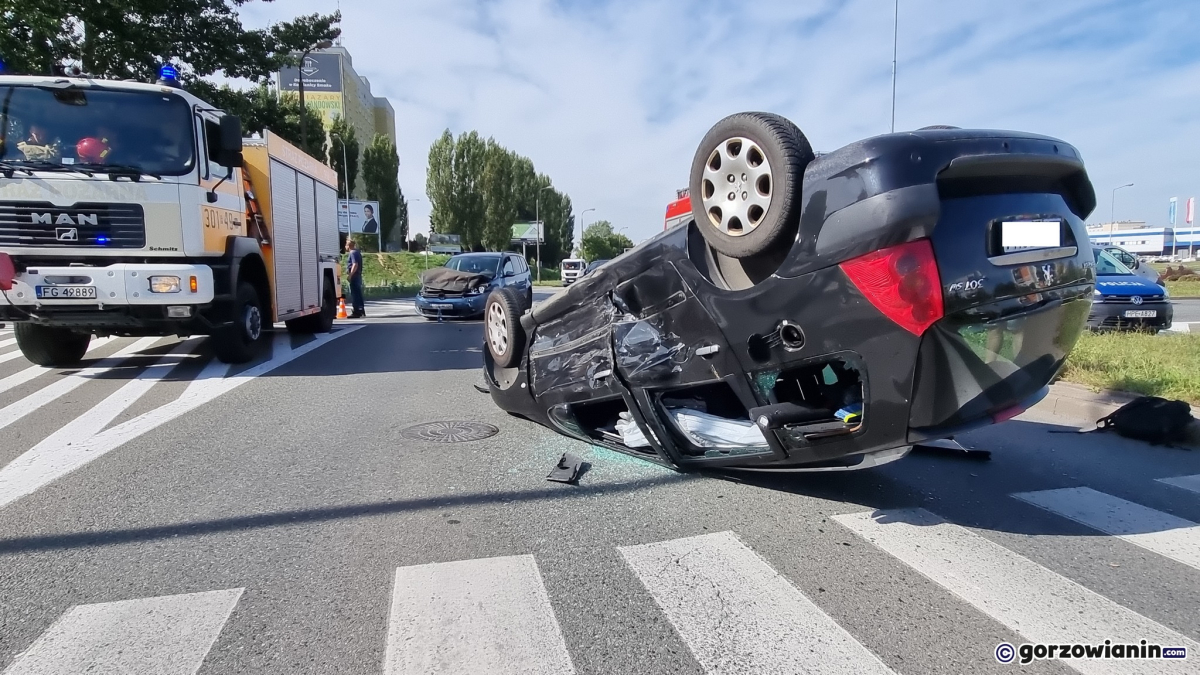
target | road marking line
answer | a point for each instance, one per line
(166, 635)
(52, 457)
(490, 615)
(10, 341)
(738, 615)
(23, 376)
(32, 471)
(1040, 605)
(1155, 531)
(1186, 482)
(53, 391)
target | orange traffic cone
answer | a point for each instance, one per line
(342, 309)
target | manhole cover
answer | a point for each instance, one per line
(450, 432)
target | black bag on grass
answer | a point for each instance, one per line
(1152, 419)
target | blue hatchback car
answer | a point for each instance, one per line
(502, 269)
(1125, 300)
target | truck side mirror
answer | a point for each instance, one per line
(231, 141)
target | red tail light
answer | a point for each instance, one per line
(8, 272)
(902, 282)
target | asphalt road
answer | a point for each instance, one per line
(1187, 311)
(160, 513)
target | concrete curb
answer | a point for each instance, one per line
(1183, 328)
(1086, 406)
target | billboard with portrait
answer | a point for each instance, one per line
(358, 217)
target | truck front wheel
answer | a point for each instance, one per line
(241, 340)
(51, 346)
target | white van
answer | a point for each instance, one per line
(572, 269)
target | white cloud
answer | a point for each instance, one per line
(609, 98)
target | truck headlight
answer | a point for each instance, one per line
(164, 284)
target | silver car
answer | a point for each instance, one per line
(1131, 261)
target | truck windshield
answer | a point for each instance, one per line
(47, 128)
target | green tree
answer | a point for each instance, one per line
(131, 38)
(379, 173)
(500, 201)
(419, 242)
(470, 156)
(343, 156)
(401, 217)
(259, 108)
(601, 243)
(439, 184)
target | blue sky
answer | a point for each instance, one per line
(609, 97)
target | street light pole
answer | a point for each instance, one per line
(581, 229)
(895, 41)
(1112, 214)
(537, 211)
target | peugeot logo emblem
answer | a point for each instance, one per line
(1137, 299)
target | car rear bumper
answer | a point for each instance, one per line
(1112, 316)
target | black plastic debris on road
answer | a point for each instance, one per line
(568, 470)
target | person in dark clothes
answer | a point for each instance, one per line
(354, 264)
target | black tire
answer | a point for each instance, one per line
(322, 321)
(743, 227)
(51, 346)
(502, 327)
(243, 339)
(529, 299)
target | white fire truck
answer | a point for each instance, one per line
(137, 209)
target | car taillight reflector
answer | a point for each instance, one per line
(902, 282)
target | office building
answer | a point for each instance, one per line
(333, 88)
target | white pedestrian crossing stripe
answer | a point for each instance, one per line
(1162, 533)
(85, 438)
(738, 615)
(48, 394)
(1186, 482)
(1038, 604)
(733, 610)
(23, 376)
(490, 615)
(167, 635)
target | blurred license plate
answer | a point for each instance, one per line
(66, 292)
(442, 306)
(1141, 313)
(1020, 235)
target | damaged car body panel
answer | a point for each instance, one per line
(898, 311)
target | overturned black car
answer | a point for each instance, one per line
(817, 313)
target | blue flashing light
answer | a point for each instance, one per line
(2, 66)
(168, 72)
(102, 240)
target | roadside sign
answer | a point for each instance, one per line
(528, 233)
(445, 243)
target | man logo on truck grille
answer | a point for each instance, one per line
(66, 234)
(65, 219)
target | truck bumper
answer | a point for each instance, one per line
(121, 284)
(123, 302)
